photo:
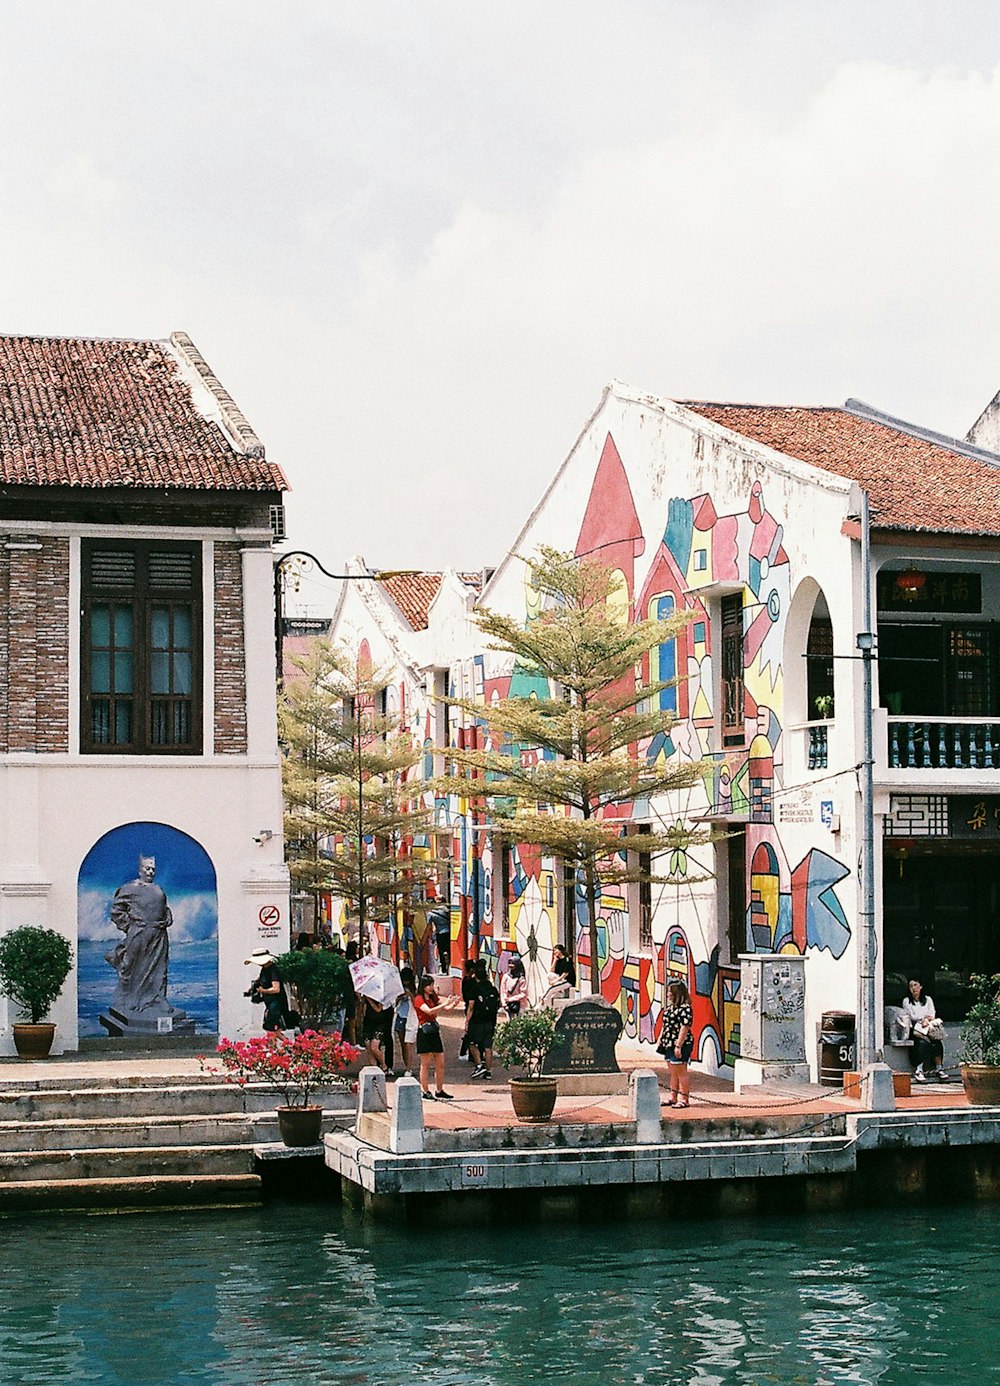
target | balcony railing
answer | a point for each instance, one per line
(943, 743)
(816, 746)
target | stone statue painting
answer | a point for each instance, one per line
(148, 935)
(140, 912)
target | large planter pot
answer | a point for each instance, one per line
(300, 1125)
(34, 1041)
(533, 1098)
(982, 1084)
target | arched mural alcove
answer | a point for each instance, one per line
(128, 952)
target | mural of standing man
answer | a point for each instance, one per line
(148, 947)
(141, 913)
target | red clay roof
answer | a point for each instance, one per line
(96, 412)
(414, 592)
(913, 482)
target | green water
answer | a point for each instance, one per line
(291, 1296)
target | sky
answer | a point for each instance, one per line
(416, 238)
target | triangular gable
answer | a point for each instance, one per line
(611, 516)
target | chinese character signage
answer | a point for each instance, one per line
(915, 590)
(975, 817)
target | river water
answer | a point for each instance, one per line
(294, 1295)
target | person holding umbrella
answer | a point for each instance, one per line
(378, 986)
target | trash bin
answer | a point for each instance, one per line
(836, 1047)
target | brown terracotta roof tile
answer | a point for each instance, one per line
(98, 412)
(914, 482)
(414, 592)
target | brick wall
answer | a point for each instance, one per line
(34, 647)
(230, 654)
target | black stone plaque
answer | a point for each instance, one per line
(590, 1029)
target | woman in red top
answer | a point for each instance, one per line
(428, 1007)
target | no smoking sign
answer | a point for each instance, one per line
(269, 921)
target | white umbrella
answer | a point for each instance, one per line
(377, 979)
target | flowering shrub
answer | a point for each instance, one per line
(291, 1067)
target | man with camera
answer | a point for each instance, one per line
(268, 988)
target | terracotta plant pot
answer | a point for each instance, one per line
(34, 1041)
(300, 1125)
(533, 1098)
(982, 1084)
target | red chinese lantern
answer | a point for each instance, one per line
(910, 584)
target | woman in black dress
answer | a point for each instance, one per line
(677, 1042)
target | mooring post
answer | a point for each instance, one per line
(644, 1107)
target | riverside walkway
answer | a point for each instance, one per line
(785, 1147)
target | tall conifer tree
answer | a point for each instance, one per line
(582, 650)
(350, 811)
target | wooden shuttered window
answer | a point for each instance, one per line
(141, 689)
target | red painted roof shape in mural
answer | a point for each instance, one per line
(101, 412)
(610, 518)
(915, 480)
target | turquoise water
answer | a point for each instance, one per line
(292, 1296)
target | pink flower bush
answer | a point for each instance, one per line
(291, 1067)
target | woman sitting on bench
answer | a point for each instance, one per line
(927, 1034)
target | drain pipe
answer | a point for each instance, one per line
(869, 1049)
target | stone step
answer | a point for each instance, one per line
(140, 1132)
(137, 1191)
(178, 1098)
(56, 1104)
(131, 1162)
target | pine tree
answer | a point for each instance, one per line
(350, 811)
(589, 716)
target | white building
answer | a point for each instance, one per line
(748, 516)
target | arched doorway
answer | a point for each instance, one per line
(114, 891)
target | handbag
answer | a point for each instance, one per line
(428, 1029)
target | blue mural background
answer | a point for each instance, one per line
(185, 872)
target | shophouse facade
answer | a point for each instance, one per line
(137, 699)
(748, 517)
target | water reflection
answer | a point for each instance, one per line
(289, 1296)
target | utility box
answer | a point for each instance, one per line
(772, 1020)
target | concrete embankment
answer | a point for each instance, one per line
(821, 1152)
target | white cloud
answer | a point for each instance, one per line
(415, 249)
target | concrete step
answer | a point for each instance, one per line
(177, 1098)
(130, 1162)
(228, 1128)
(139, 1191)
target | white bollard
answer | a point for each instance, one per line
(406, 1128)
(371, 1091)
(644, 1106)
(877, 1093)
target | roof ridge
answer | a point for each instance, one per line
(736, 404)
(860, 410)
(237, 424)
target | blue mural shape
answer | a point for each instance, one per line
(186, 876)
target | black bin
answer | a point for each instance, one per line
(837, 1034)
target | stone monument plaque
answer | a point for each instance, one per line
(590, 1029)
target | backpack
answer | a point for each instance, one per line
(489, 1001)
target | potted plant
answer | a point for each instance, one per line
(293, 1068)
(824, 706)
(34, 965)
(321, 980)
(980, 1059)
(525, 1041)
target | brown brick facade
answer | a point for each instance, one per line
(230, 653)
(34, 646)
